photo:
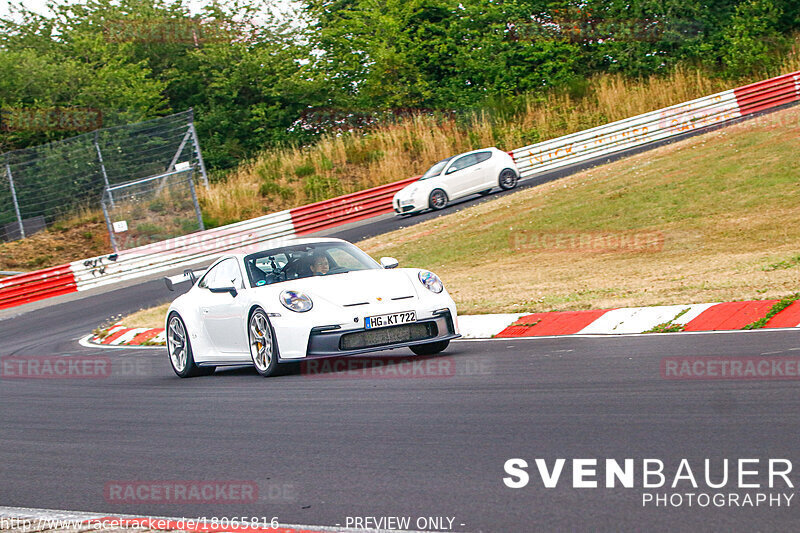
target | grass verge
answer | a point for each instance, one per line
(697, 221)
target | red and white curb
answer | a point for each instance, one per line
(23, 519)
(471, 327)
(726, 316)
(120, 335)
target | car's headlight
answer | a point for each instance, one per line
(431, 281)
(296, 301)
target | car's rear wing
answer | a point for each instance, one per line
(188, 275)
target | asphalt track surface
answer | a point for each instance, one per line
(322, 448)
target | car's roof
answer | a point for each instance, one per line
(488, 149)
(280, 243)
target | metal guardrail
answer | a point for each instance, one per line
(345, 209)
(32, 286)
(251, 234)
(657, 125)
(625, 134)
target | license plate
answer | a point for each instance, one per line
(393, 319)
(406, 202)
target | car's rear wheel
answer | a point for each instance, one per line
(508, 179)
(262, 344)
(438, 199)
(431, 348)
(179, 348)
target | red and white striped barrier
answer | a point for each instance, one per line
(344, 209)
(531, 160)
(657, 125)
(25, 288)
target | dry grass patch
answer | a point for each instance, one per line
(147, 318)
(81, 236)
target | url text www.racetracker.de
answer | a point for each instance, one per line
(705, 483)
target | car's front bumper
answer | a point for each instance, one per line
(333, 343)
(406, 205)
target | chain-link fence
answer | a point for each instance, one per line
(152, 209)
(42, 184)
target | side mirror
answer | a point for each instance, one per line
(389, 262)
(231, 289)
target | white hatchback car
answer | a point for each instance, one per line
(476, 172)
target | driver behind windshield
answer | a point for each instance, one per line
(319, 265)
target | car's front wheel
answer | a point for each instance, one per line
(179, 348)
(438, 199)
(508, 179)
(262, 344)
(431, 348)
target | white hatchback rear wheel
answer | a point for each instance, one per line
(507, 179)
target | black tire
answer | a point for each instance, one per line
(263, 349)
(432, 348)
(507, 179)
(484, 193)
(438, 199)
(179, 350)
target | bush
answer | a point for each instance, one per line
(319, 188)
(270, 188)
(304, 170)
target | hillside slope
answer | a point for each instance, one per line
(712, 218)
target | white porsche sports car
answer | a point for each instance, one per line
(305, 299)
(476, 172)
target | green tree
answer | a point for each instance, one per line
(752, 37)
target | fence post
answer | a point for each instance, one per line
(108, 219)
(102, 165)
(196, 204)
(196, 143)
(14, 197)
(172, 163)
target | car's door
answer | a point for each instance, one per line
(457, 177)
(223, 312)
(483, 172)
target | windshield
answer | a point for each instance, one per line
(436, 169)
(304, 261)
